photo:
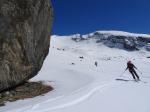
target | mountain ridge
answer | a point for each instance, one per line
(115, 39)
(112, 32)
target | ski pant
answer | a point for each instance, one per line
(134, 74)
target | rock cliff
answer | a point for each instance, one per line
(25, 27)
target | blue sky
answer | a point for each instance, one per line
(84, 16)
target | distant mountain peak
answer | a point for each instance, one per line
(117, 39)
(121, 33)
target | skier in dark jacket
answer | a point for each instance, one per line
(96, 64)
(131, 67)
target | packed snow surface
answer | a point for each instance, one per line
(122, 33)
(80, 86)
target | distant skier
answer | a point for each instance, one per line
(131, 67)
(96, 64)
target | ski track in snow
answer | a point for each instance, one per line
(74, 101)
(70, 103)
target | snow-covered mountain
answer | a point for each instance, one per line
(80, 86)
(117, 39)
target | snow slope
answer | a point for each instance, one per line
(83, 87)
(122, 33)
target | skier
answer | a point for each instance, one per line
(96, 63)
(131, 67)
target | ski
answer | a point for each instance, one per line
(127, 80)
(141, 81)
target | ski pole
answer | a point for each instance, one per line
(122, 74)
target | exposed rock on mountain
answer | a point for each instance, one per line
(24, 39)
(117, 39)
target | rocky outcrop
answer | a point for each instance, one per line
(25, 27)
(117, 39)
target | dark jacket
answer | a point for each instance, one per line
(130, 66)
